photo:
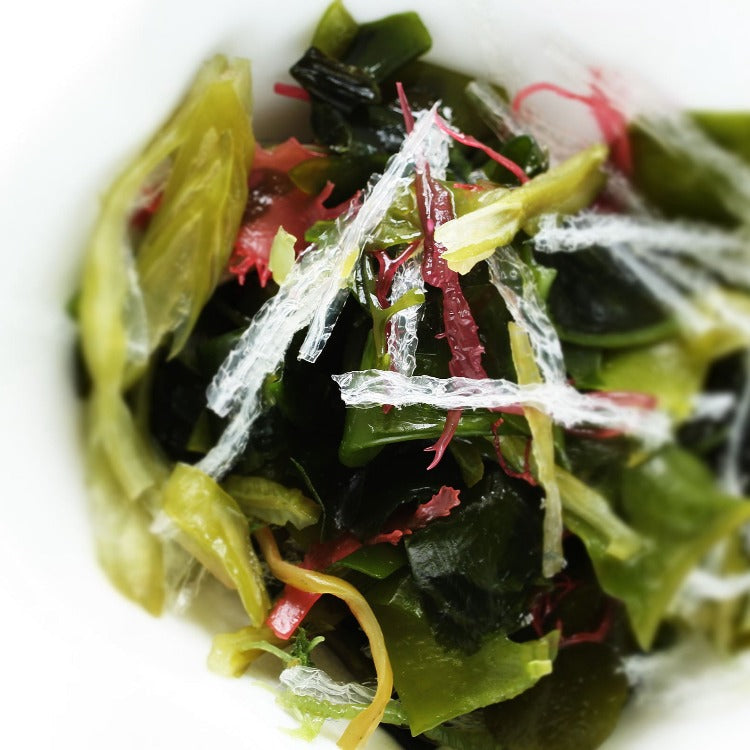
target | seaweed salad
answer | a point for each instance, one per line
(440, 391)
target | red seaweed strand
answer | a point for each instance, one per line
(387, 268)
(468, 140)
(611, 122)
(547, 603)
(291, 91)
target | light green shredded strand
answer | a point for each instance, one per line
(189, 240)
(108, 335)
(543, 451)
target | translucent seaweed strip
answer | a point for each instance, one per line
(220, 459)
(666, 293)
(493, 109)
(515, 282)
(334, 699)
(701, 287)
(564, 404)
(402, 341)
(677, 261)
(316, 684)
(310, 295)
(725, 253)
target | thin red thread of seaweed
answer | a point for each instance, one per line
(611, 122)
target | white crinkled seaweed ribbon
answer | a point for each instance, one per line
(702, 290)
(713, 406)
(666, 293)
(561, 402)
(508, 273)
(494, 110)
(724, 252)
(309, 682)
(311, 295)
(403, 341)
(425, 142)
(677, 261)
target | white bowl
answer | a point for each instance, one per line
(84, 83)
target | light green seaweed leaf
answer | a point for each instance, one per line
(499, 670)
(272, 502)
(214, 529)
(132, 298)
(566, 188)
(188, 242)
(129, 553)
(232, 653)
(672, 502)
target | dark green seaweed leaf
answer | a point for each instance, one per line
(574, 708)
(347, 173)
(382, 47)
(477, 570)
(596, 302)
(333, 82)
(377, 560)
(394, 478)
